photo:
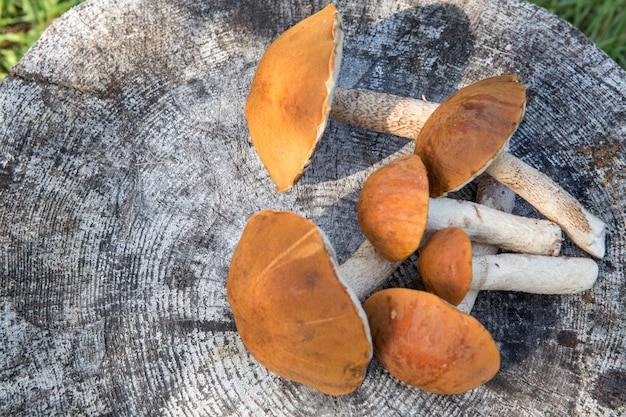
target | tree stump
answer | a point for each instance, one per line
(127, 175)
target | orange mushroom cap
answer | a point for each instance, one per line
(466, 132)
(393, 207)
(290, 95)
(292, 311)
(427, 343)
(445, 264)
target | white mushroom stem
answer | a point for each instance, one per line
(533, 273)
(490, 193)
(585, 229)
(405, 117)
(366, 269)
(488, 225)
(494, 194)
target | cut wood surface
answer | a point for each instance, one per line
(127, 176)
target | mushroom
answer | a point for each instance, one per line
(449, 270)
(393, 207)
(292, 91)
(293, 311)
(466, 135)
(392, 214)
(427, 343)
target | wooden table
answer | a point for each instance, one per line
(127, 175)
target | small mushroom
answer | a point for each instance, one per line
(393, 207)
(427, 343)
(291, 94)
(394, 212)
(466, 135)
(293, 312)
(449, 270)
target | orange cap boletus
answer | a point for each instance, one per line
(393, 207)
(445, 264)
(293, 90)
(449, 270)
(293, 312)
(466, 135)
(427, 343)
(468, 130)
(289, 99)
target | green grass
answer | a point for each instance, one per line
(23, 21)
(21, 24)
(603, 21)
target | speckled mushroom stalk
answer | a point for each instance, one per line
(487, 225)
(585, 229)
(380, 112)
(533, 273)
(366, 270)
(449, 269)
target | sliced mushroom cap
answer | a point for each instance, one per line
(393, 207)
(445, 264)
(426, 342)
(292, 311)
(290, 96)
(468, 130)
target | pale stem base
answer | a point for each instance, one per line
(533, 274)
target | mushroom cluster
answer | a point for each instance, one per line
(307, 318)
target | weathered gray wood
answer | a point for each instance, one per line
(127, 175)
